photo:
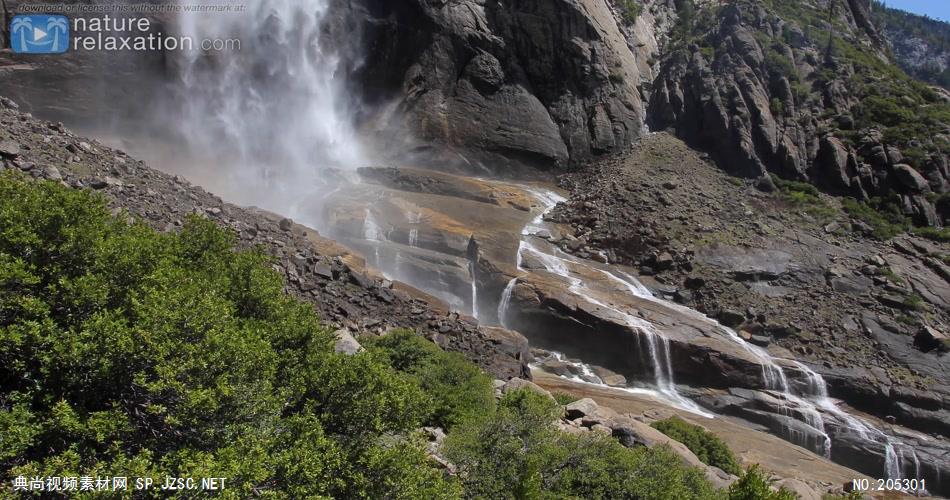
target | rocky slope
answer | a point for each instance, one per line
(795, 276)
(344, 291)
(790, 275)
(804, 90)
(920, 45)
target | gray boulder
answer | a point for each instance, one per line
(346, 343)
(911, 178)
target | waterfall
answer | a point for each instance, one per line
(506, 301)
(808, 403)
(372, 233)
(274, 111)
(414, 218)
(658, 346)
(471, 269)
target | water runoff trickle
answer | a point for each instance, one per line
(658, 346)
(808, 402)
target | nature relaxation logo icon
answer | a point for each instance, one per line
(39, 34)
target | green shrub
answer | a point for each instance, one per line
(940, 235)
(518, 453)
(884, 224)
(128, 352)
(706, 445)
(779, 65)
(776, 107)
(458, 388)
(631, 10)
(805, 197)
(754, 484)
(795, 186)
(564, 398)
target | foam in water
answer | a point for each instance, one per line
(414, 219)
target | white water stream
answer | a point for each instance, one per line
(807, 405)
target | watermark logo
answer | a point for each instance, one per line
(39, 34)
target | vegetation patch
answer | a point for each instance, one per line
(706, 445)
(756, 484)
(631, 10)
(883, 218)
(932, 233)
(564, 398)
(518, 453)
(804, 197)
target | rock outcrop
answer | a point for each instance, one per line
(919, 43)
(777, 91)
(502, 83)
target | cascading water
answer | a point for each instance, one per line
(372, 233)
(275, 111)
(471, 269)
(505, 301)
(658, 345)
(806, 402)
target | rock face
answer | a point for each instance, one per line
(765, 93)
(524, 81)
(919, 43)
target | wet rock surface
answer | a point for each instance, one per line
(861, 311)
(871, 316)
(336, 281)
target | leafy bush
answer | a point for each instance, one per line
(518, 453)
(706, 445)
(563, 398)
(779, 65)
(458, 388)
(128, 352)
(631, 10)
(805, 197)
(940, 235)
(754, 484)
(885, 224)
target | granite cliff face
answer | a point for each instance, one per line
(805, 91)
(920, 45)
(529, 82)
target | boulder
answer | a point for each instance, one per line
(345, 342)
(929, 338)
(519, 383)
(798, 487)
(609, 377)
(9, 149)
(910, 178)
(633, 433)
(581, 408)
(834, 163)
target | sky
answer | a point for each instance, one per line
(937, 9)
